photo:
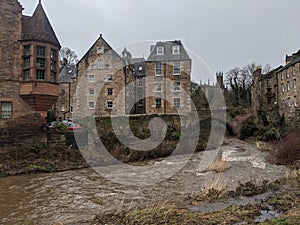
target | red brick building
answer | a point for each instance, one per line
(29, 52)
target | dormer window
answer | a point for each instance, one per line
(175, 49)
(160, 50)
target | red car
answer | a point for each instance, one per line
(73, 126)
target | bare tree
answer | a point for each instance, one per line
(67, 56)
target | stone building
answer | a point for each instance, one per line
(289, 86)
(107, 81)
(168, 71)
(28, 67)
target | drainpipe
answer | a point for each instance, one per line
(165, 75)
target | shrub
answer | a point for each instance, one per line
(247, 130)
(271, 135)
(287, 151)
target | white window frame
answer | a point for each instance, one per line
(158, 87)
(158, 69)
(91, 91)
(177, 87)
(175, 49)
(175, 67)
(175, 102)
(109, 105)
(160, 50)
(91, 78)
(91, 105)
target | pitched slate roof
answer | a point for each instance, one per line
(38, 28)
(68, 73)
(168, 56)
(293, 62)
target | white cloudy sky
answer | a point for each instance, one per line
(224, 33)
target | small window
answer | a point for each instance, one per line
(109, 91)
(295, 100)
(71, 109)
(288, 86)
(282, 87)
(27, 62)
(269, 82)
(176, 68)
(53, 54)
(177, 86)
(91, 78)
(100, 65)
(109, 105)
(91, 91)
(140, 82)
(282, 76)
(91, 105)
(27, 50)
(158, 103)
(53, 77)
(100, 50)
(158, 87)
(289, 102)
(295, 84)
(40, 75)
(158, 69)
(63, 93)
(26, 75)
(160, 50)
(53, 66)
(40, 51)
(94, 66)
(40, 63)
(141, 102)
(176, 102)
(6, 110)
(107, 66)
(62, 107)
(109, 77)
(175, 49)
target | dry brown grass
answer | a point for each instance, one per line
(219, 166)
(293, 174)
(264, 146)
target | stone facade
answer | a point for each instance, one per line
(28, 68)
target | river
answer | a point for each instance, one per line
(65, 197)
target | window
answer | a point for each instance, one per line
(40, 51)
(110, 77)
(176, 102)
(160, 50)
(176, 68)
(282, 87)
(295, 84)
(157, 87)
(100, 50)
(109, 105)
(175, 49)
(6, 110)
(282, 76)
(269, 82)
(91, 78)
(107, 66)
(294, 71)
(100, 65)
(288, 86)
(91, 105)
(53, 77)
(71, 109)
(158, 103)
(40, 75)
(53, 54)
(94, 66)
(40, 63)
(289, 102)
(53, 65)
(140, 82)
(63, 93)
(295, 100)
(91, 91)
(177, 86)
(27, 50)
(109, 91)
(62, 107)
(158, 69)
(26, 75)
(141, 102)
(27, 62)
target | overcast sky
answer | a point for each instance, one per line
(224, 33)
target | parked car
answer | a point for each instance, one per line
(73, 126)
(66, 121)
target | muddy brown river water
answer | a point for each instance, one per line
(80, 194)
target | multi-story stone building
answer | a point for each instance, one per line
(107, 81)
(28, 67)
(289, 86)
